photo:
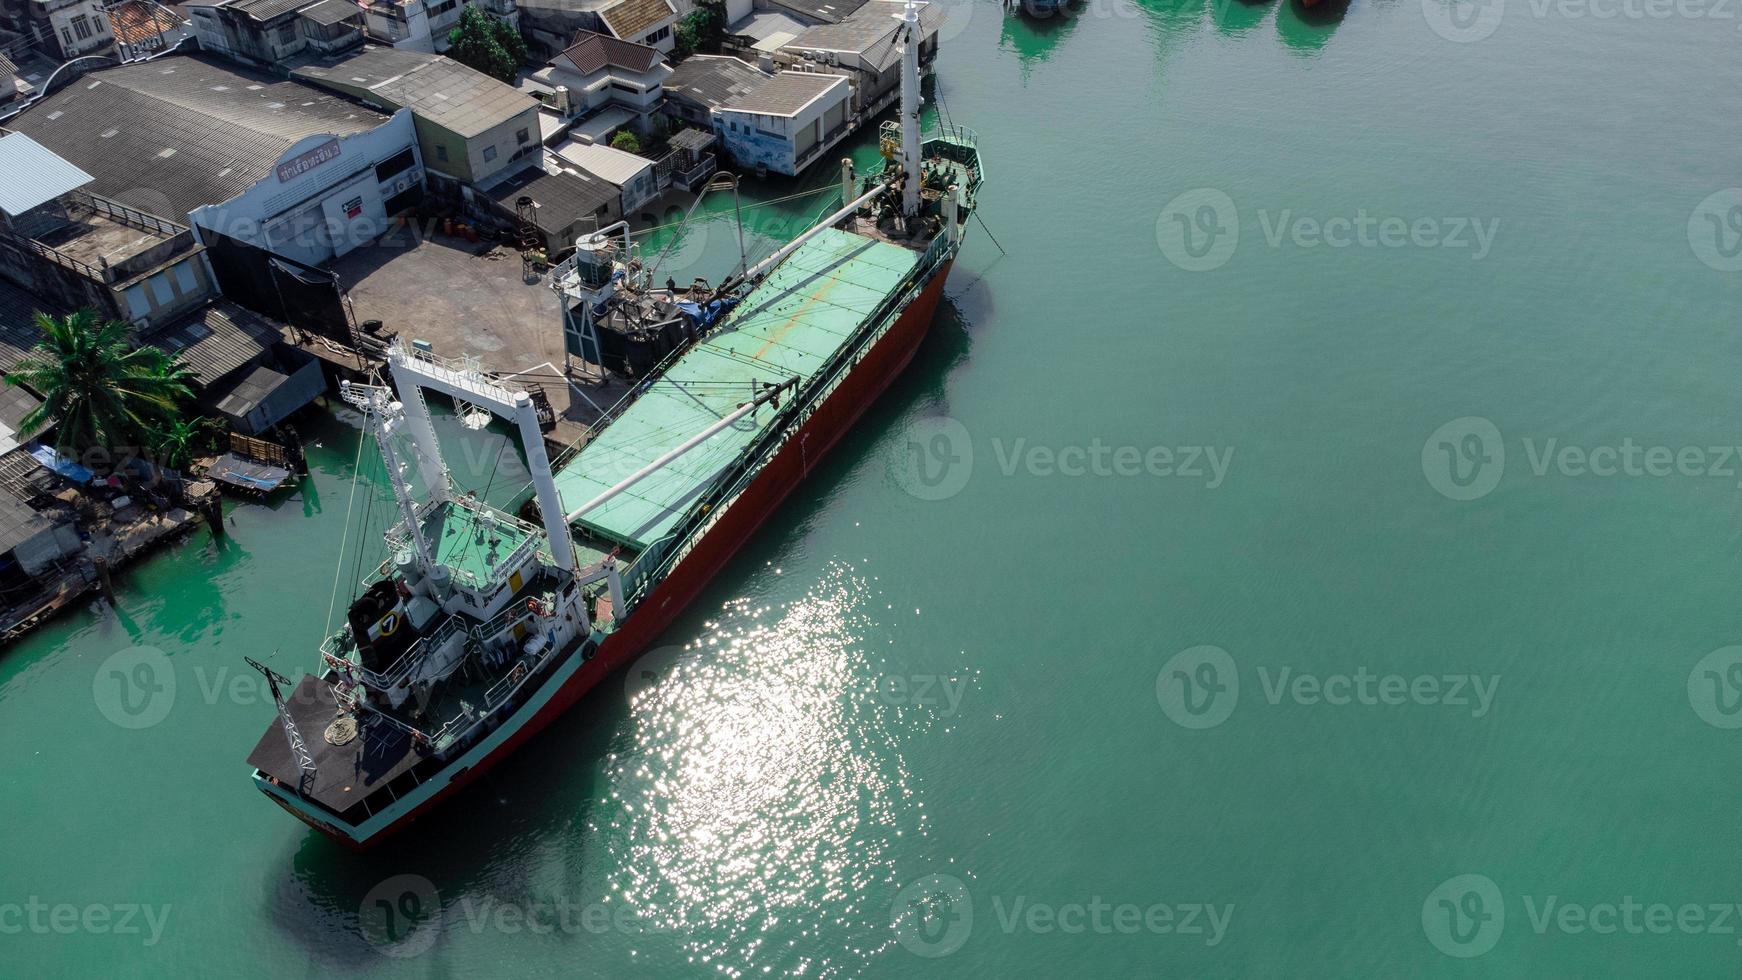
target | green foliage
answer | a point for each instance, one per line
(178, 442)
(98, 389)
(704, 27)
(481, 41)
(691, 31)
(626, 141)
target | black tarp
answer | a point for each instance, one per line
(274, 286)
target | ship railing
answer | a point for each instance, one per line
(402, 668)
(709, 508)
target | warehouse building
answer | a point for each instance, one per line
(251, 161)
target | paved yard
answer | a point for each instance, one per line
(440, 289)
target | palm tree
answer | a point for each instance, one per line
(177, 442)
(97, 388)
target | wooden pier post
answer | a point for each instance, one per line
(104, 580)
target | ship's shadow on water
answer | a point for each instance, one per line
(470, 846)
(329, 899)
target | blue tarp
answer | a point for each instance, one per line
(702, 317)
(61, 465)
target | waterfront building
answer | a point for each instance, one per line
(266, 33)
(256, 165)
(471, 128)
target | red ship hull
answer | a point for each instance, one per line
(795, 459)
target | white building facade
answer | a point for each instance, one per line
(327, 194)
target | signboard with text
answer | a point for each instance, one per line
(302, 163)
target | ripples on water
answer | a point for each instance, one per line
(756, 808)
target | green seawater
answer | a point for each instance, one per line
(952, 711)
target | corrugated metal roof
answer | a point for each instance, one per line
(18, 523)
(18, 329)
(216, 340)
(563, 198)
(34, 175)
(178, 132)
(790, 325)
(616, 166)
(330, 12)
(437, 89)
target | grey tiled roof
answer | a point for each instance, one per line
(435, 88)
(868, 31)
(178, 132)
(593, 51)
(713, 80)
(826, 11)
(785, 93)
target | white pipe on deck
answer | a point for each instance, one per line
(827, 222)
(691, 443)
(550, 506)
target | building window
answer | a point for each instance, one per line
(287, 33)
(82, 27)
(489, 153)
(441, 153)
(160, 289)
(184, 279)
(396, 164)
(138, 304)
(658, 36)
(522, 136)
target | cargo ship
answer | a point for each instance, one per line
(481, 628)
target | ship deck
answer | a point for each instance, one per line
(344, 774)
(789, 325)
(472, 541)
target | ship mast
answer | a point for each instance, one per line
(910, 149)
(384, 414)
